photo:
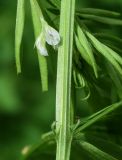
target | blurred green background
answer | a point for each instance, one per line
(26, 112)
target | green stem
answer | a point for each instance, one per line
(63, 89)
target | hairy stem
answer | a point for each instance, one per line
(63, 89)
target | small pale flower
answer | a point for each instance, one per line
(52, 36)
(49, 35)
(40, 44)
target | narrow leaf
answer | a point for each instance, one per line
(36, 15)
(114, 54)
(104, 144)
(113, 47)
(98, 12)
(102, 49)
(94, 152)
(115, 78)
(105, 20)
(19, 32)
(82, 51)
(108, 37)
(83, 40)
(97, 116)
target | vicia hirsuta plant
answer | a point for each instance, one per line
(84, 60)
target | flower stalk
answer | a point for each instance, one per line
(63, 88)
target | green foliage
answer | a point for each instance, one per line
(81, 139)
(105, 145)
(95, 153)
(83, 41)
(19, 32)
(109, 54)
(96, 69)
(100, 12)
(97, 116)
(104, 20)
(36, 15)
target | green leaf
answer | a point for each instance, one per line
(82, 51)
(94, 152)
(115, 78)
(109, 37)
(105, 20)
(86, 45)
(114, 54)
(104, 144)
(98, 12)
(113, 47)
(110, 56)
(19, 32)
(36, 14)
(97, 116)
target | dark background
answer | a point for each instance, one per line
(26, 112)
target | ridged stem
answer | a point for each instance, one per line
(63, 89)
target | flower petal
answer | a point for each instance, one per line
(52, 36)
(40, 44)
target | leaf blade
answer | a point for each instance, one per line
(105, 20)
(20, 16)
(102, 49)
(82, 51)
(104, 144)
(83, 40)
(97, 116)
(94, 152)
(114, 54)
(97, 11)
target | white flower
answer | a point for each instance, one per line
(49, 35)
(52, 36)
(40, 44)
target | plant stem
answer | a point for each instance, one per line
(63, 89)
